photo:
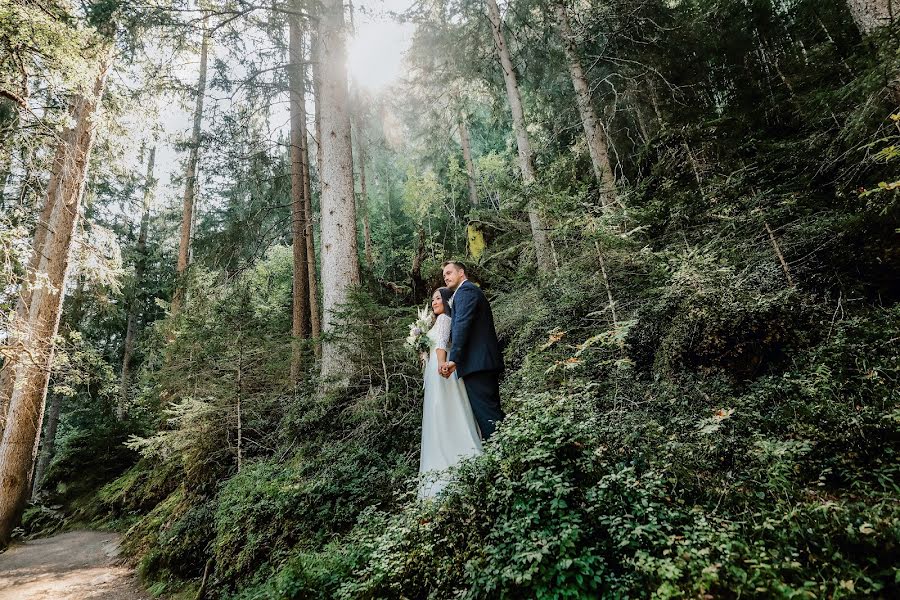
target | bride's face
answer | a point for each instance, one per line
(437, 304)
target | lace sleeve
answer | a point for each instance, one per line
(442, 332)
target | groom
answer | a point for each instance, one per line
(474, 351)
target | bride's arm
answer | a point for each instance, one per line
(443, 340)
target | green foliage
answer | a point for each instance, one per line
(702, 396)
(42, 521)
(141, 488)
(173, 539)
(279, 506)
(90, 449)
(578, 496)
(38, 37)
(86, 459)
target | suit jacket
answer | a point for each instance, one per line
(474, 346)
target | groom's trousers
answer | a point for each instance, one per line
(483, 389)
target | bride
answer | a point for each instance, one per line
(449, 432)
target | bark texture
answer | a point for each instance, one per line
(872, 15)
(598, 145)
(869, 15)
(300, 308)
(316, 60)
(340, 263)
(190, 181)
(315, 319)
(40, 305)
(526, 158)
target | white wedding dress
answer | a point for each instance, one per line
(449, 431)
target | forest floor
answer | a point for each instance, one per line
(69, 566)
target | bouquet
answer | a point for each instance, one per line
(418, 338)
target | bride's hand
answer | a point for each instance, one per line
(448, 368)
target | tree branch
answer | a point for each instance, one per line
(14, 97)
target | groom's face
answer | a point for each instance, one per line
(453, 276)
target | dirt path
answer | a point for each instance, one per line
(70, 566)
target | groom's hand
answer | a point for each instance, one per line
(448, 368)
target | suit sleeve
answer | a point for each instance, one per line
(464, 306)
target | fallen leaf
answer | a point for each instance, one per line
(722, 414)
(554, 337)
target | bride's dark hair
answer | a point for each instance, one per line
(446, 294)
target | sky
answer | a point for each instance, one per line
(375, 61)
(375, 54)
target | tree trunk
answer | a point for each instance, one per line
(300, 308)
(48, 448)
(190, 181)
(869, 15)
(40, 306)
(526, 160)
(5, 168)
(363, 192)
(837, 48)
(467, 158)
(639, 118)
(609, 295)
(315, 320)
(340, 262)
(778, 253)
(134, 304)
(9, 123)
(655, 102)
(48, 442)
(872, 15)
(316, 60)
(419, 292)
(598, 145)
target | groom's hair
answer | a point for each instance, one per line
(456, 264)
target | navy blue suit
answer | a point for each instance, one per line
(475, 350)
